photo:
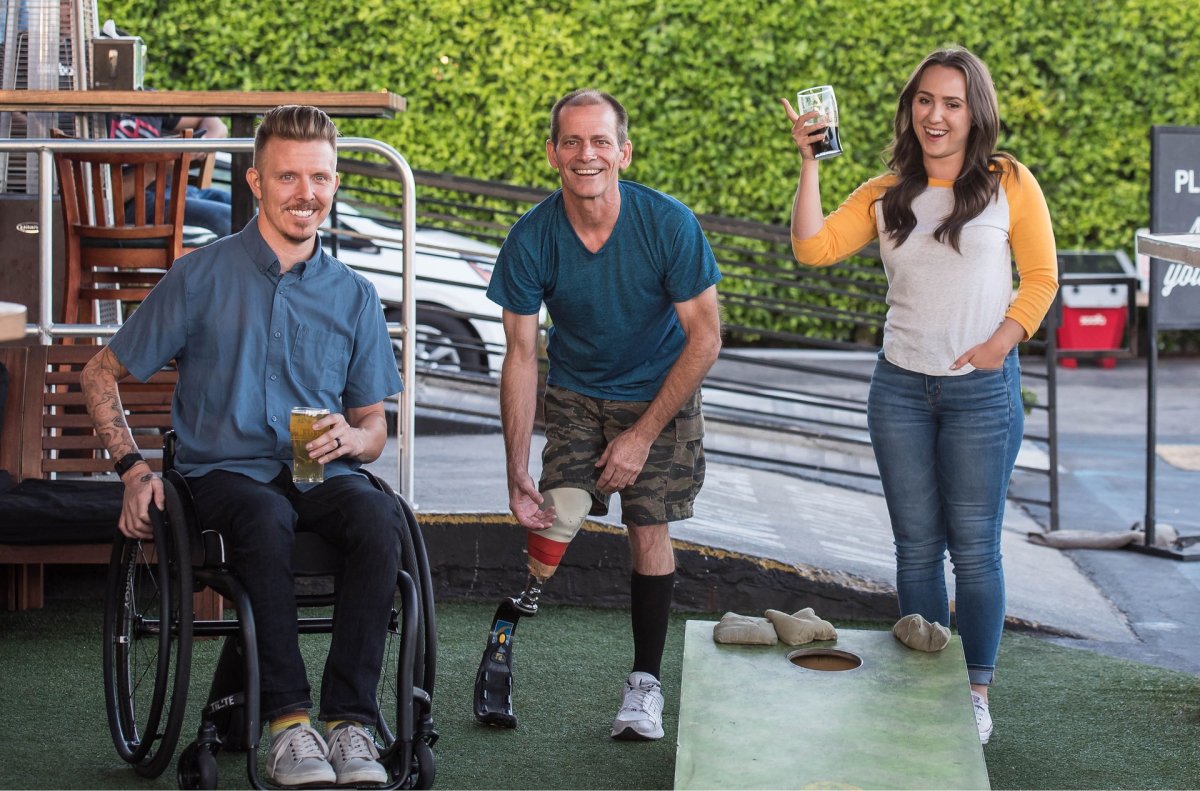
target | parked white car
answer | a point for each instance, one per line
(458, 328)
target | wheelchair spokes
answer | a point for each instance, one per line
(147, 651)
(404, 722)
(386, 694)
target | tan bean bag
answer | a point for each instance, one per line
(802, 626)
(744, 630)
(921, 635)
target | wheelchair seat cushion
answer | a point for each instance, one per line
(60, 512)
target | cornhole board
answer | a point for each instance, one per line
(750, 718)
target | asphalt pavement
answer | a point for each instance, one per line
(1119, 602)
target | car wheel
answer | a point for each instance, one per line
(445, 342)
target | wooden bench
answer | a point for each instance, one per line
(47, 437)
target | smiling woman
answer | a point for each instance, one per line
(944, 410)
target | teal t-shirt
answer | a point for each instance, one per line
(615, 333)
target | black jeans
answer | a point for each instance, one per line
(259, 522)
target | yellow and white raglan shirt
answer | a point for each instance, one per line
(942, 302)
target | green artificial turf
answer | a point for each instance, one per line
(1064, 718)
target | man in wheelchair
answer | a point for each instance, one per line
(258, 323)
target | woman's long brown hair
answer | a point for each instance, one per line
(979, 181)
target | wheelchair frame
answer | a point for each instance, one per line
(149, 629)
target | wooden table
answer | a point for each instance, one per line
(360, 104)
(242, 107)
(1181, 248)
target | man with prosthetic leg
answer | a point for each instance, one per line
(629, 281)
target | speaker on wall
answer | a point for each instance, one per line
(19, 266)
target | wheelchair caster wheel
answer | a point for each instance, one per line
(423, 764)
(197, 768)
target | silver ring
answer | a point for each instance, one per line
(338, 440)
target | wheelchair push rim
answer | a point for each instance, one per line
(148, 643)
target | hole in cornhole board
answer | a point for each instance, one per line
(825, 659)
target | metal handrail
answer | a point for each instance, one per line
(46, 330)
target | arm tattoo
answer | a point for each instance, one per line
(99, 382)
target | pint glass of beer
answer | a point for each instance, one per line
(821, 98)
(304, 469)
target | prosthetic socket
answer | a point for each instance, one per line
(493, 681)
(546, 547)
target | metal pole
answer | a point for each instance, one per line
(1151, 401)
(1052, 405)
(45, 245)
(406, 420)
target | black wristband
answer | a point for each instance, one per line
(126, 462)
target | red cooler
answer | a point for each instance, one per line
(1094, 315)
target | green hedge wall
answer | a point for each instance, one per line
(1080, 82)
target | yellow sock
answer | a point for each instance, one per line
(331, 724)
(285, 721)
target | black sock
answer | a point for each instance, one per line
(649, 610)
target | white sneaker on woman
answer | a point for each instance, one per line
(983, 717)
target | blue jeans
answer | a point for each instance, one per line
(204, 208)
(209, 208)
(946, 447)
(258, 522)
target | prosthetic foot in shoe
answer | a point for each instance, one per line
(493, 681)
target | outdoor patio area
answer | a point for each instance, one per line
(1065, 718)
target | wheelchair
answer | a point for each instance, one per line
(149, 629)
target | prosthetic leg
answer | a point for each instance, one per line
(493, 681)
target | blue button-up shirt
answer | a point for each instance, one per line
(251, 343)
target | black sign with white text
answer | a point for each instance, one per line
(1175, 208)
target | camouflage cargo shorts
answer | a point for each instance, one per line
(579, 427)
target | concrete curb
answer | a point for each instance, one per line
(481, 556)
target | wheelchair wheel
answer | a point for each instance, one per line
(416, 562)
(148, 641)
(404, 725)
(394, 696)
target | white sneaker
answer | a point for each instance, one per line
(640, 717)
(983, 717)
(354, 756)
(297, 758)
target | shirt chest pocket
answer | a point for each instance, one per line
(319, 359)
